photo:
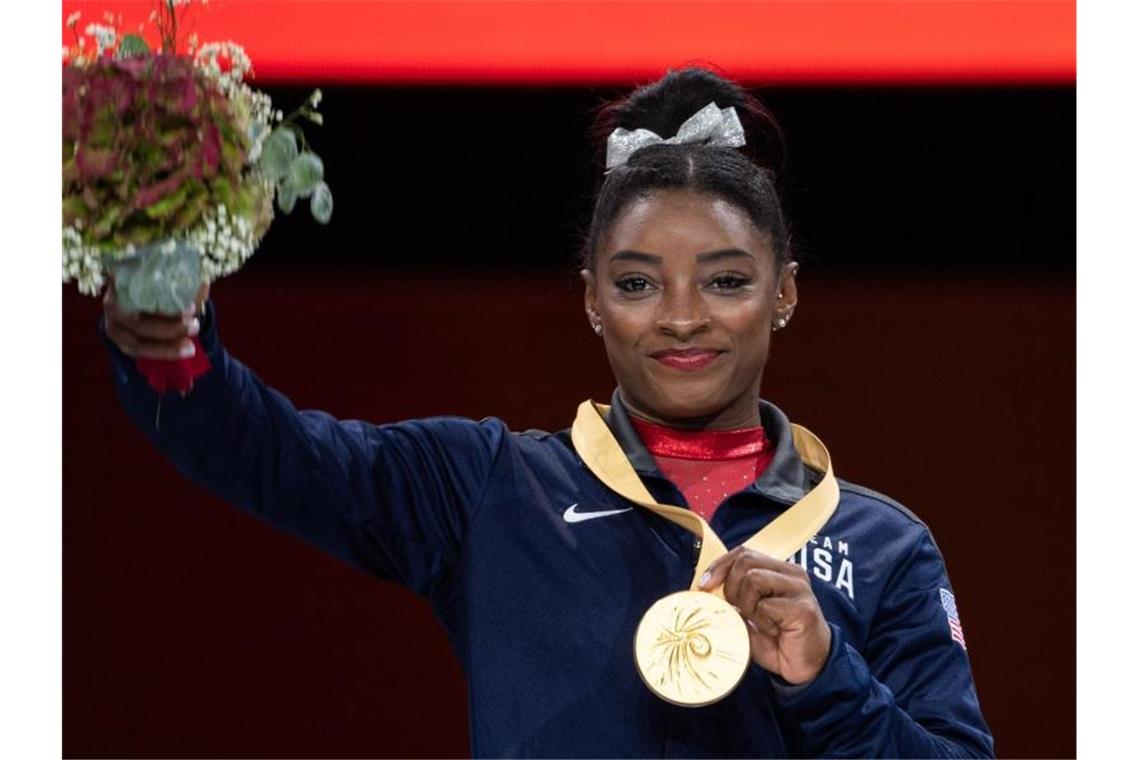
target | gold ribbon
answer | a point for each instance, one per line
(690, 649)
(781, 538)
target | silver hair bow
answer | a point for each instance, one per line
(719, 127)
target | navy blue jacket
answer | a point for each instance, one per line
(474, 518)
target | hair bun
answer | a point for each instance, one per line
(663, 106)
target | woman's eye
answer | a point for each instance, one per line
(633, 284)
(729, 282)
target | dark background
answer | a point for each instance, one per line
(933, 350)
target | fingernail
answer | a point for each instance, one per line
(705, 578)
(186, 351)
(194, 327)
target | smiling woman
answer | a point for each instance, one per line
(658, 526)
(687, 291)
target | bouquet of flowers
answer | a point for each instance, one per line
(171, 165)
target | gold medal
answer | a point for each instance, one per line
(691, 648)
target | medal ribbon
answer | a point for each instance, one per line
(781, 538)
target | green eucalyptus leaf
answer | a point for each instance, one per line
(321, 204)
(133, 46)
(305, 172)
(161, 278)
(277, 153)
(286, 196)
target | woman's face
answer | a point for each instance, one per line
(686, 290)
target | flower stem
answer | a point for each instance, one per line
(290, 122)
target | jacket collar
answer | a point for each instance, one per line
(785, 480)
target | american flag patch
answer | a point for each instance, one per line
(952, 617)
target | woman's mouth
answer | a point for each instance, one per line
(686, 358)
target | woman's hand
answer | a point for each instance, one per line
(152, 336)
(790, 637)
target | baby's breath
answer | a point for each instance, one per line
(226, 241)
(81, 263)
(261, 114)
(207, 58)
(105, 36)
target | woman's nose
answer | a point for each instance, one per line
(682, 315)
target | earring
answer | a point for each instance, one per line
(597, 328)
(780, 324)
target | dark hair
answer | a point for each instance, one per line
(743, 176)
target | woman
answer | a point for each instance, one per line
(688, 275)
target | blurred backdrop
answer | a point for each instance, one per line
(934, 351)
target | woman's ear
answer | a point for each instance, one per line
(591, 300)
(786, 296)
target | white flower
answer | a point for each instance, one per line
(81, 263)
(226, 242)
(230, 82)
(105, 36)
(73, 19)
(315, 98)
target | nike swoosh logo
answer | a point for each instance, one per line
(572, 515)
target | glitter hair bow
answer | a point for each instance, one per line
(719, 127)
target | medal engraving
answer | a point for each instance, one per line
(691, 648)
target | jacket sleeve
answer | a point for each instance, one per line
(393, 500)
(910, 692)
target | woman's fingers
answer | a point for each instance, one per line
(762, 625)
(778, 612)
(718, 571)
(758, 584)
(157, 327)
(153, 336)
(732, 568)
(134, 346)
(789, 634)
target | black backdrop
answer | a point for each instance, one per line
(895, 179)
(934, 350)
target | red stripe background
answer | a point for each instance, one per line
(536, 42)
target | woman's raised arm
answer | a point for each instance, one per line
(394, 500)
